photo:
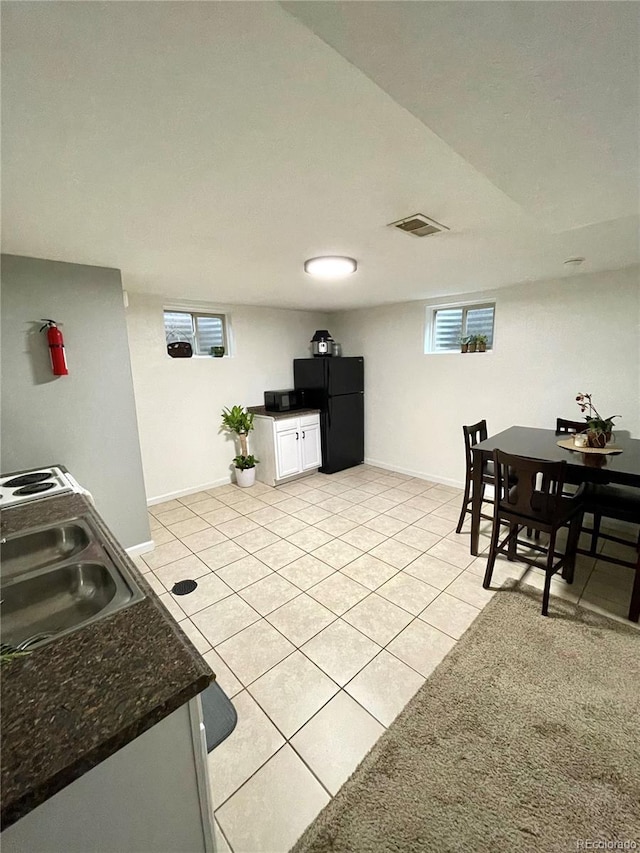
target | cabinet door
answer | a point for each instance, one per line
(288, 443)
(311, 456)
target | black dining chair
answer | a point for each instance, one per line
(620, 503)
(473, 434)
(529, 495)
(564, 427)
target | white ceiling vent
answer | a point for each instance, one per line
(419, 225)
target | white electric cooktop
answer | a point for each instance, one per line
(35, 484)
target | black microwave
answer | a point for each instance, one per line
(283, 401)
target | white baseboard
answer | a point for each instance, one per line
(158, 499)
(445, 481)
(142, 548)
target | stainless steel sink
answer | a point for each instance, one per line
(42, 548)
(60, 578)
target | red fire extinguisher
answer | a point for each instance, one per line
(56, 347)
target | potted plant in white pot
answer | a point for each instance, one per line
(240, 422)
(245, 470)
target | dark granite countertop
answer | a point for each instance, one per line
(71, 704)
(295, 413)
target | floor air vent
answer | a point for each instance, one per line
(419, 225)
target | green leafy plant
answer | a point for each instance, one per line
(480, 342)
(217, 352)
(595, 422)
(244, 462)
(9, 654)
(239, 421)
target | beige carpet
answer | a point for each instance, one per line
(526, 737)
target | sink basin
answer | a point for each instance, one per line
(58, 579)
(44, 605)
(42, 548)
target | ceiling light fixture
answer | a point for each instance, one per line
(573, 262)
(330, 266)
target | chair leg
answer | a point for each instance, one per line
(546, 593)
(495, 532)
(595, 532)
(548, 574)
(634, 607)
(513, 543)
(569, 563)
(465, 504)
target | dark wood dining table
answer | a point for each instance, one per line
(621, 468)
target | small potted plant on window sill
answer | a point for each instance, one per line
(464, 343)
(239, 421)
(217, 352)
(472, 343)
(599, 429)
(481, 343)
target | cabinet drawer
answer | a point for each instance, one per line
(282, 424)
(309, 420)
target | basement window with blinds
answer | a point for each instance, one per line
(448, 325)
(198, 328)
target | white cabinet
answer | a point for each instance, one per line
(286, 447)
(288, 452)
(131, 801)
(311, 455)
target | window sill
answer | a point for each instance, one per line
(457, 352)
(204, 357)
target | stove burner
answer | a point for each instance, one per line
(35, 488)
(27, 479)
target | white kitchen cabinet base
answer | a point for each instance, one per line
(288, 448)
(152, 796)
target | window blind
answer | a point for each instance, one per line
(209, 333)
(480, 322)
(451, 324)
(203, 331)
(448, 328)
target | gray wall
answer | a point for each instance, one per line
(86, 420)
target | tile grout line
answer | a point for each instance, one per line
(332, 574)
(312, 553)
(398, 571)
(307, 591)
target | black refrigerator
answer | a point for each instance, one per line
(336, 387)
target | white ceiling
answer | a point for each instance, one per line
(208, 149)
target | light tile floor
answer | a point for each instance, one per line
(322, 606)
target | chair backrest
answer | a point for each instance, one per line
(472, 435)
(564, 426)
(529, 488)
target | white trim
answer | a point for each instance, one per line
(142, 548)
(197, 306)
(458, 352)
(193, 308)
(199, 742)
(430, 323)
(445, 481)
(158, 499)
